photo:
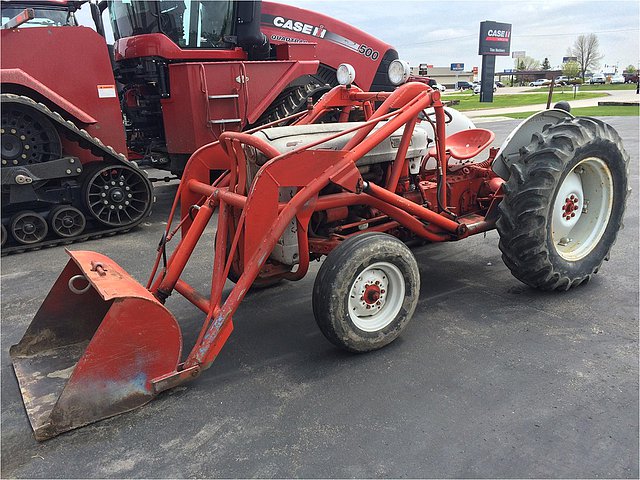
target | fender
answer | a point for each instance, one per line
(522, 135)
(77, 83)
(15, 80)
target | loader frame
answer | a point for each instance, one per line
(77, 369)
(256, 219)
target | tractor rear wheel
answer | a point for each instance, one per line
(366, 292)
(563, 204)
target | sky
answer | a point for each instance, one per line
(441, 32)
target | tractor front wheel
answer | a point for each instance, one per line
(563, 204)
(366, 292)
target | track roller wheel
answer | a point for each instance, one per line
(28, 137)
(29, 228)
(3, 234)
(67, 221)
(117, 195)
(563, 204)
(366, 292)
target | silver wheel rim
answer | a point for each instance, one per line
(582, 209)
(376, 296)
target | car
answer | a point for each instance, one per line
(617, 79)
(499, 84)
(435, 85)
(477, 88)
(561, 80)
(598, 78)
(463, 86)
(631, 78)
(541, 82)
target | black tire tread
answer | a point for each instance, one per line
(328, 284)
(524, 210)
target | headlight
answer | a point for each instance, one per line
(346, 74)
(399, 72)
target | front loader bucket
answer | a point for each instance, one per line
(94, 348)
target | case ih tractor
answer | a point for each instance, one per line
(185, 72)
(355, 192)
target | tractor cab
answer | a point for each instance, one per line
(201, 30)
(188, 24)
(45, 13)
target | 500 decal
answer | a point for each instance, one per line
(368, 52)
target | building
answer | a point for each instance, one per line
(443, 75)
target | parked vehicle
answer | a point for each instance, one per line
(433, 83)
(478, 87)
(617, 79)
(598, 78)
(499, 84)
(185, 71)
(413, 171)
(464, 85)
(541, 82)
(561, 80)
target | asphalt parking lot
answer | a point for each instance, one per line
(490, 378)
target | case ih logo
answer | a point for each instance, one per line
(495, 38)
(313, 30)
(498, 35)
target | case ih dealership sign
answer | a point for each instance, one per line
(495, 38)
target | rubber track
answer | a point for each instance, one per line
(80, 136)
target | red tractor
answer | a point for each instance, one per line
(185, 72)
(355, 192)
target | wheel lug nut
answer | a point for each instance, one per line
(127, 188)
(13, 130)
(112, 207)
(126, 202)
(105, 202)
(113, 183)
(129, 195)
(22, 137)
(27, 147)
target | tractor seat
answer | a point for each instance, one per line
(466, 144)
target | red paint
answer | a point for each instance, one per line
(249, 223)
(67, 83)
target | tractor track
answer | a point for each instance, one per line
(97, 148)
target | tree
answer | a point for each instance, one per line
(527, 63)
(546, 65)
(571, 69)
(587, 50)
(630, 69)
